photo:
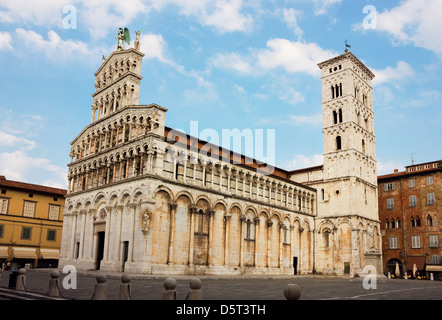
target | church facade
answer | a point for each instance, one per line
(144, 198)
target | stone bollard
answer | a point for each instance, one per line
(53, 284)
(21, 280)
(125, 287)
(100, 292)
(431, 276)
(405, 275)
(170, 285)
(292, 292)
(389, 275)
(195, 292)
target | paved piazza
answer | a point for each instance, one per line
(242, 288)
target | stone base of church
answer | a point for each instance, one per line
(148, 268)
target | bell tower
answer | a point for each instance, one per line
(349, 146)
(347, 186)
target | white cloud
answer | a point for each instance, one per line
(10, 140)
(154, 47)
(16, 149)
(300, 161)
(204, 90)
(284, 88)
(310, 120)
(100, 16)
(415, 22)
(425, 98)
(388, 167)
(39, 13)
(314, 120)
(291, 56)
(5, 41)
(18, 165)
(94, 15)
(291, 16)
(54, 45)
(224, 15)
(240, 89)
(323, 6)
(402, 71)
(232, 61)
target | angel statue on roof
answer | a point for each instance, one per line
(123, 36)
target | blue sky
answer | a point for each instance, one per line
(224, 63)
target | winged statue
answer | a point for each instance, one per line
(123, 36)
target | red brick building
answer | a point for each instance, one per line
(410, 211)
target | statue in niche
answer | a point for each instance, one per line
(146, 221)
(370, 236)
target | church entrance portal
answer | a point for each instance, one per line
(100, 248)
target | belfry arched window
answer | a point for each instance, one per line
(338, 143)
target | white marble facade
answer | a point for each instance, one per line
(145, 199)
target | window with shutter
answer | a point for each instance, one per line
(29, 209)
(415, 242)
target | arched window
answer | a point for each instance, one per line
(249, 232)
(338, 143)
(363, 146)
(413, 222)
(326, 238)
(336, 90)
(248, 229)
(418, 222)
(200, 221)
(429, 221)
(340, 115)
(398, 223)
(335, 117)
(177, 167)
(387, 224)
(285, 235)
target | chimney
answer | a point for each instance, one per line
(396, 170)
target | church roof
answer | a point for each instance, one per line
(239, 159)
(30, 187)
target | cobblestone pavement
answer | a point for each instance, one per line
(239, 288)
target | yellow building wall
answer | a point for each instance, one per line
(14, 220)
